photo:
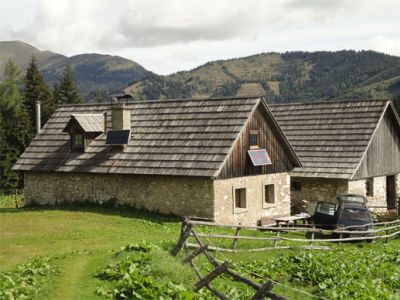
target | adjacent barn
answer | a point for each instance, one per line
(344, 147)
(225, 159)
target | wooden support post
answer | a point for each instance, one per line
(387, 231)
(277, 237)
(184, 236)
(265, 291)
(209, 257)
(16, 199)
(212, 275)
(196, 253)
(236, 240)
(212, 290)
(312, 236)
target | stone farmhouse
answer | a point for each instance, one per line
(344, 147)
(225, 160)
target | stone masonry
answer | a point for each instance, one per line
(316, 189)
(225, 211)
(187, 196)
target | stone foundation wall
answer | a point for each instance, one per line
(225, 211)
(377, 202)
(313, 190)
(187, 196)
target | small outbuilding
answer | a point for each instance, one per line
(225, 159)
(344, 147)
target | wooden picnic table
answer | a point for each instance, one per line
(286, 220)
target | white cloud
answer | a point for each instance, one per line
(386, 45)
(167, 36)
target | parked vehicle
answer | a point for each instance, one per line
(350, 214)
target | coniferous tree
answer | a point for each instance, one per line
(15, 129)
(36, 90)
(65, 90)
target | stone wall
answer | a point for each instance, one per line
(377, 202)
(313, 190)
(225, 211)
(187, 196)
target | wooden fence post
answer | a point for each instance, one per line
(16, 199)
(212, 275)
(236, 240)
(278, 232)
(184, 236)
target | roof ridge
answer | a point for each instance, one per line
(327, 102)
(164, 100)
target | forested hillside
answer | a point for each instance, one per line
(287, 77)
(96, 75)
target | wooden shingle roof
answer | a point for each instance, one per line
(170, 137)
(330, 138)
(89, 122)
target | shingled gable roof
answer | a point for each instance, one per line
(169, 137)
(331, 138)
(88, 122)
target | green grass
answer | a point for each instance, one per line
(83, 240)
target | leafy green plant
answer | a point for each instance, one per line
(352, 273)
(26, 280)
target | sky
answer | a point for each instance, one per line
(167, 36)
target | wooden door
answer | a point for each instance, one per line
(391, 191)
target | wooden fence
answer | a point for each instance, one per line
(187, 230)
(191, 230)
(383, 230)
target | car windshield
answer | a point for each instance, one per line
(355, 214)
(351, 198)
(326, 209)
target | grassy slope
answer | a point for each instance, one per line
(86, 239)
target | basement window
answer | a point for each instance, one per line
(77, 142)
(369, 187)
(295, 186)
(240, 198)
(254, 142)
(269, 193)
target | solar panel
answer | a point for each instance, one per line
(259, 157)
(118, 137)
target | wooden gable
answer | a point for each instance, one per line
(270, 137)
(382, 157)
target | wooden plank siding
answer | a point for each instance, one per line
(239, 164)
(383, 154)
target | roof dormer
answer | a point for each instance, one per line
(83, 128)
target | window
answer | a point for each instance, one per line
(77, 142)
(295, 185)
(269, 193)
(253, 139)
(240, 198)
(369, 187)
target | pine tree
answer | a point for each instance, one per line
(65, 90)
(37, 90)
(15, 130)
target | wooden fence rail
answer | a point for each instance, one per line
(382, 230)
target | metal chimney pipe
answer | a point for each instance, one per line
(38, 122)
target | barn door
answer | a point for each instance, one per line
(391, 191)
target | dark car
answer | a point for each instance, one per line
(351, 213)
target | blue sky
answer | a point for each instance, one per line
(169, 36)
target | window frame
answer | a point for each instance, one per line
(237, 191)
(369, 187)
(257, 134)
(264, 192)
(74, 146)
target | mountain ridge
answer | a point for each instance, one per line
(97, 75)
